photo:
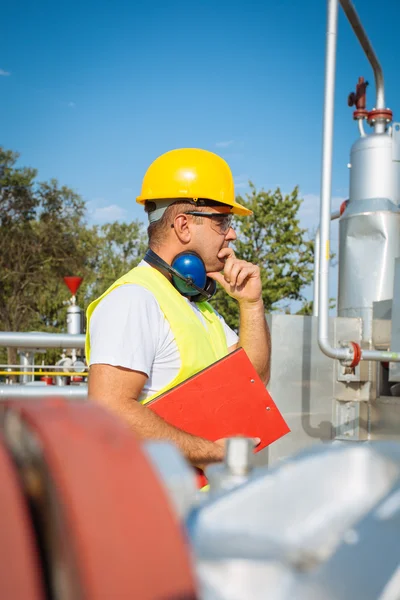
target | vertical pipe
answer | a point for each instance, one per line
(335, 215)
(316, 274)
(326, 185)
(27, 360)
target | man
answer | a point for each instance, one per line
(143, 335)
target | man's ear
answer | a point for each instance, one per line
(182, 228)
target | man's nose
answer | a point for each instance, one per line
(231, 234)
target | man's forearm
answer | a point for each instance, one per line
(148, 425)
(255, 338)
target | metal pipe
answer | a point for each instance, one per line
(71, 392)
(4, 367)
(335, 215)
(326, 186)
(347, 353)
(361, 128)
(316, 273)
(362, 37)
(380, 355)
(11, 339)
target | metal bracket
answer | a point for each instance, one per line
(352, 420)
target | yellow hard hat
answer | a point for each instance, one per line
(190, 173)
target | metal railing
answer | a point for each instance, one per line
(11, 339)
(27, 391)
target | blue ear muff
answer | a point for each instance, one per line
(188, 273)
(192, 268)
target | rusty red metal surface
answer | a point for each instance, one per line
(359, 97)
(118, 531)
(20, 571)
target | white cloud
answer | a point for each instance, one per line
(4, 73)
(224, 144)
(241, 181)
(98, 215)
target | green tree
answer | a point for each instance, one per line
(40, 243)
(44, 237)
(306, 309)
(119, 248)
(273, 239)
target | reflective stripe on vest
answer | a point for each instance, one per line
(198, 346)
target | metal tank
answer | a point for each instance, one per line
(375, 166)
(369, 229)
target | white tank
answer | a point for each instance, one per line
(375, 167)
(369, 229)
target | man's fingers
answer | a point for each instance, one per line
(233, 268)
(244, 273)
(226, 252)
(232, 274)
(217, 276)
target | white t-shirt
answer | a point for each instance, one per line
(128, 329)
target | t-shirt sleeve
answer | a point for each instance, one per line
(124, 329)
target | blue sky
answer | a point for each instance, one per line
(91, 93)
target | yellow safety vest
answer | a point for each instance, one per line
(198, 346)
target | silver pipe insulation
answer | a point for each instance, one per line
(345, 354)
(32, 392)
(10, 339)
(335, 215)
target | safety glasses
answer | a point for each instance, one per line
(221, 220)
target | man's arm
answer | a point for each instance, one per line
(255, 338)
(118, 389)
(241, 280)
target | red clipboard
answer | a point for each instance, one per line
(226, 399)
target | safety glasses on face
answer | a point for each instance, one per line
(222, 221)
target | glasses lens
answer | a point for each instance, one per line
(222, 223)
(219, 222)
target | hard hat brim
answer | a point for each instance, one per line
(237, 209)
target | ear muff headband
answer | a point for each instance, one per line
(203, 294)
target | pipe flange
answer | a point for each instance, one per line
(353, 360)
(356, 354)
(382, 114)
(360, 114)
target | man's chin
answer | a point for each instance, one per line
(216, 267)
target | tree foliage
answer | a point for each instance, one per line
(40, 242)
(44, 236)
(273, 239)
(119, 248)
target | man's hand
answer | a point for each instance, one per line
(240, 279)
(221, 444)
